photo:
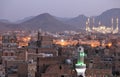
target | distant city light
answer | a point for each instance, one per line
(109, 44)
(62, 40)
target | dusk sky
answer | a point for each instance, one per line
(18, 9)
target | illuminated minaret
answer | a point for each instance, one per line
(116, 29)
(93, 23)
(112, 24)
(88, 20)
(86, 26)
(117, 20)
(99, 23)
(80, 66)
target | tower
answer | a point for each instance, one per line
(112, 24)
(88, 25)
(99, 23)
(116, 29)
(9, 47)
(93, 23)
(39, 39)
(80, 66)
(117, 24)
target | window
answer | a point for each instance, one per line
(6, 54)
(60, 67)
(12, 54)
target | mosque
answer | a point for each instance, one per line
(101, 28)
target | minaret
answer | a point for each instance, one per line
(86, 26)
(93, 23)
(39, 39)
(112, 25)
(117, 20)
(88, 20)
(80, 66)
(37, 52)
(117, 28)
(99, 23)
(39, 34)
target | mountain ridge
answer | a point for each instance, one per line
(47, 22)
(52, 23)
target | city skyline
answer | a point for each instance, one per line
(59, 38)
(15, 10)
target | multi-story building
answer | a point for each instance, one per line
(2, 71)
(9, 47)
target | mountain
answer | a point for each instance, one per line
(78, 22)
(62, 19)
(5, 21)
(9, 26)
(46, 22)
(24, 20)
(51, 23)
(104, 18)
(3, 26)
(6, 25)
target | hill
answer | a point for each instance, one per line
(46, 22)
(51, 23)
(104, 18)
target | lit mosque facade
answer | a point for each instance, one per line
(101, 28)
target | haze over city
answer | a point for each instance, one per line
(14, 10)
(59, 38)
